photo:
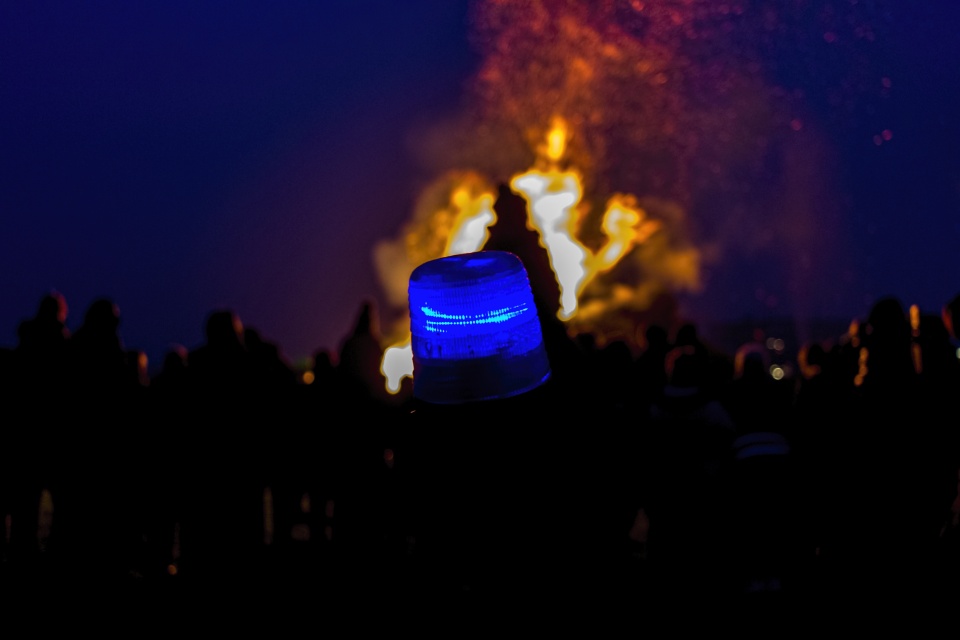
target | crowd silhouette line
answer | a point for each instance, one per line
(656, 471)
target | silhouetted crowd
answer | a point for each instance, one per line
(650, 471)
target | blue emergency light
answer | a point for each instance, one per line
(474, 328)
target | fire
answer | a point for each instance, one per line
(397, 364)
(676, 99)
(471, 228)
(555, 211)
(554, 196)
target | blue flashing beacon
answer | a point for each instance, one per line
(474, 328)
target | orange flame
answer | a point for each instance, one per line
(554, 197)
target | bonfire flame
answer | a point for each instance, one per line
(554, 197)
(554, 210)
(470, 230)
(671, 97)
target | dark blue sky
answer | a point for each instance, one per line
(182, 156)
(179, 157)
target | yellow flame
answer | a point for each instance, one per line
(557, 140)
(397, 364)
(625, 226)
(553, 197)
(471, 229)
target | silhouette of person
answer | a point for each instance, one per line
(36, 379)
(767, 512)
(359, 359)
(222, 529)
(686, 458)
(651, 365)
(888, 479)
(167, 482)
(98, 355)
(220, 368)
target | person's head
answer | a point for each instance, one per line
(687, 335)
(53, 307)
(103, 314)
(175, 360)
(686, 371)
(656, 338)
(751, 361)
(224, 329)
(888, 321)
(811, 358)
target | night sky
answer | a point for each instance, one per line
(179, 157)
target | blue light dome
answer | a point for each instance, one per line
(474, 328)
